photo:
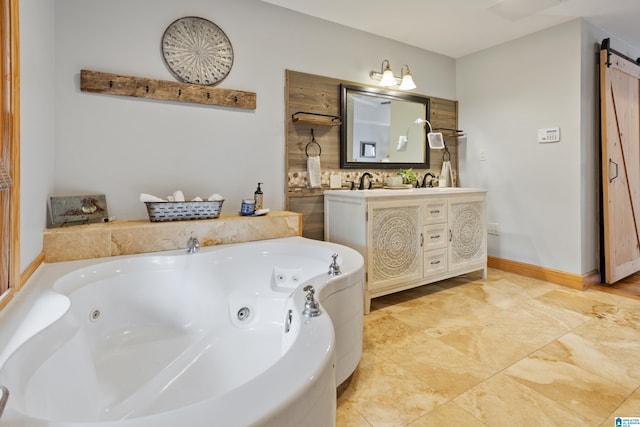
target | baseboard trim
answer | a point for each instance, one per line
(31, 268)
(24, 276)
(575, 281)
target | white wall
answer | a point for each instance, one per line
(545, 197)
(541, 195)
(124, 146)
(37, 122)
(505, 94)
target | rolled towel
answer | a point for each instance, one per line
(144, 197)
(215, 198)
(197, 199)
(178, 196)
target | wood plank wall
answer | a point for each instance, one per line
(321, 95)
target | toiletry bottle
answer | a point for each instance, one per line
(257, 197)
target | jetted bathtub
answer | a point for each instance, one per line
(216, 338)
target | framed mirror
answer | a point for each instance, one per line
(379, 129)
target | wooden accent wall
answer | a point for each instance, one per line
(317, 94)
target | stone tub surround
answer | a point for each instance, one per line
(140, 236)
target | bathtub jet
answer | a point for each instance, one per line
(216, 337)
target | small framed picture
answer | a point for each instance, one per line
(70, 210)
(367, 149)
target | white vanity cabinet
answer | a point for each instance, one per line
(409, 237)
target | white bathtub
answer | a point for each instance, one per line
(172, 339)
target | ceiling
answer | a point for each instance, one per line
(457, 28)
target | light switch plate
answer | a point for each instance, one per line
(548, 135)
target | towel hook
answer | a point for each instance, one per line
(313, 141)
(446, 153)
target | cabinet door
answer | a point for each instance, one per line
(467, 232)
(395, 243)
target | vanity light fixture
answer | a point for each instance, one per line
(407, 81)
(388, 79)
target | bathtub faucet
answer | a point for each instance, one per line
(193, 245)
(334, 268)
(311, 306)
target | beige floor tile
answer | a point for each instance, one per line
(621, 329)
(629, 408)
(444, 368)
(577, 301)
(347, 416)
(448, 414)
(443, 312)
(531, 324)
(502, 401)
(611, 359)
(575, 388)
(555, 314)
(613, 299)
(509, 351)
(387, 395)
(500, 294)
(491, 346)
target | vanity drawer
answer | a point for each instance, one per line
(435, 262)
(435, 211)
(435, 236)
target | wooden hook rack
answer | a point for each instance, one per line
(141, 87)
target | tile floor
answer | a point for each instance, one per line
(506, 351)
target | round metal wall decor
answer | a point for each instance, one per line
(197, 51)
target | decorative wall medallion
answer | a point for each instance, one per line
(197, 51)
(394, 237)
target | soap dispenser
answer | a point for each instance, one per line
(257, 197)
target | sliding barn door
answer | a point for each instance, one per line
(620, 128)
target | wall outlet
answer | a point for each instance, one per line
(493, 228)
(483, 155)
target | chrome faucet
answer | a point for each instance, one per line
(424, 180)
(193, 245)
(334, 268)
(311, 306)
(365, 175)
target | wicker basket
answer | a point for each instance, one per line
(182, 211)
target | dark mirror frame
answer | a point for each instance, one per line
(346, 89)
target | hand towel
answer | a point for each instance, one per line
(313, 171)
(144, 197)
(178, 196)
(446, 173)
